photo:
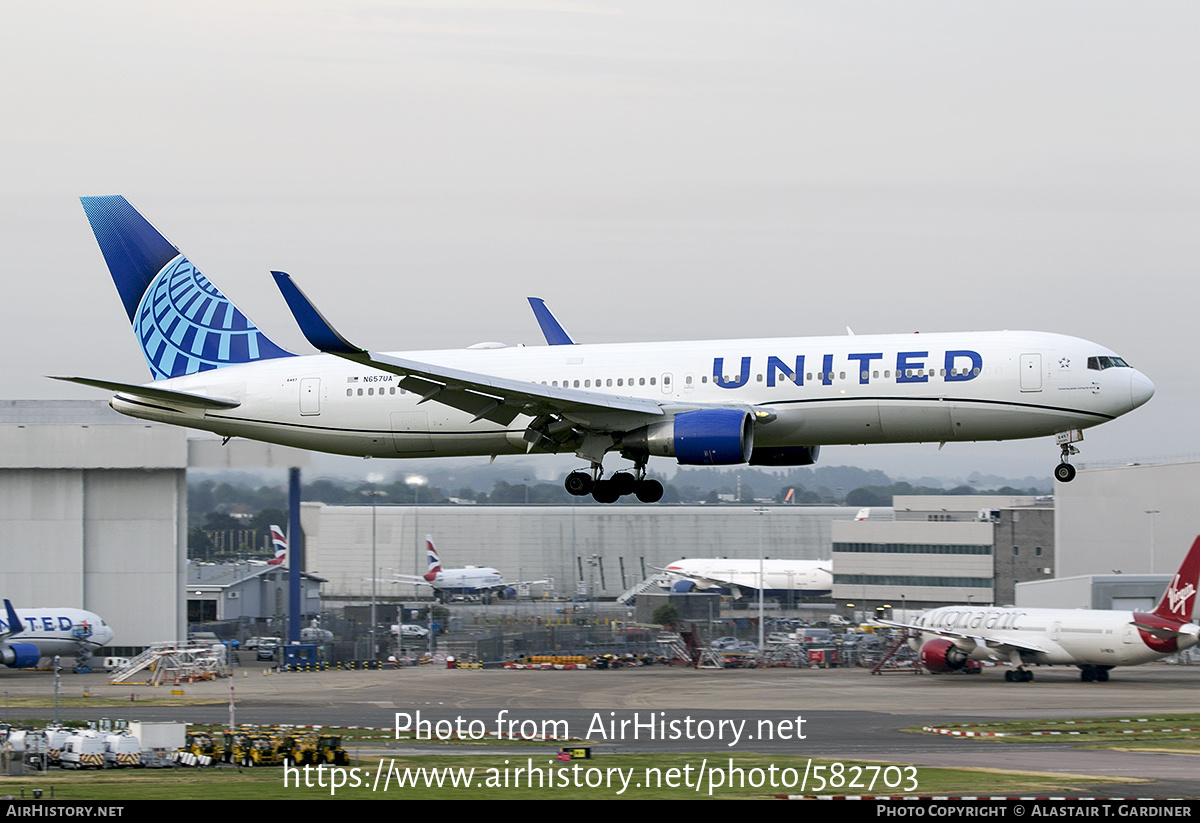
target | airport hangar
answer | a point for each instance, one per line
(93, 515)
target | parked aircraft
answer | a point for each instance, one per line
(470, 581)
(50, 632)
(768, 402)
(279, 543)
(1094, 640)
(778, 578)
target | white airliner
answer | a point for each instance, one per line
(1093, 640)
(768, 402)
(50, 632)
(778, 578)
(471, 581)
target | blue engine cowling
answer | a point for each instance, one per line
(20, 655)
(683, 586)
(784, 455)
(704, 437)
(507, 593)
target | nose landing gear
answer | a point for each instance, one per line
(1064, 472)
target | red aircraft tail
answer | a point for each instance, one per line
(435, 563)
(1180, 597)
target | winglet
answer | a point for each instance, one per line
(14, 622)
(316, 328)
(553, 331)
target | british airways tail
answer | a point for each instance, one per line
(183, 322)
(279, 543)
(435, 563)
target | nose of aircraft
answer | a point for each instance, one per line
(1140, 389)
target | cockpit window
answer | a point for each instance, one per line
(1102, 363)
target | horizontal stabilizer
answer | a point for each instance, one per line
(1167, 632)
(177, 398)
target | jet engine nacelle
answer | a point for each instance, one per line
(784, 455)
(942, 656)
(507, 593)
(20, 655)
(683, 586)
(705, 437)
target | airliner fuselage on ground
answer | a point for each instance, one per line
(470, 581)
(777, 578)
(1093, 640)
(48, 632)
(718, 402)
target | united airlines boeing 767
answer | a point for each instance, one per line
(770, 402)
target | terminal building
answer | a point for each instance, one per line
(596, 551)
(944, 549)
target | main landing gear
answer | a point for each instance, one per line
(1018, 675)
(1097, 674)
(580, 483)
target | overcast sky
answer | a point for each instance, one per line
(669, 170)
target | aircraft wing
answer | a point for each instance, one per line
(411, 579)
(734, 588)
(487, 397)
(151, 394)
(999, 643)
(700, 578)
(512, 584)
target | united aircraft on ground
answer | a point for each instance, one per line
(1093, 640)
(767, 402)
(49, 632)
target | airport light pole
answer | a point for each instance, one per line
(415, 482)
(762, 577)
(374, 480)
(1152, 513)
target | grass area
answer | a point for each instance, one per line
(104, 702)
(1179, 730)
(654, 772)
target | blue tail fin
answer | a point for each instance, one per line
(182, 321)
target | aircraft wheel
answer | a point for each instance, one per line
(1102, 675)
(578, 483)
(1064, 472)
(1026, 676)
(1087, 673)
(1009, 676)
(624, 483)
(649, 491)
(605, 491)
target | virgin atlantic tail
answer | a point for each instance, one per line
(1179, 599)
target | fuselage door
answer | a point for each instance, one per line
(310, 396)
(1031, 372)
